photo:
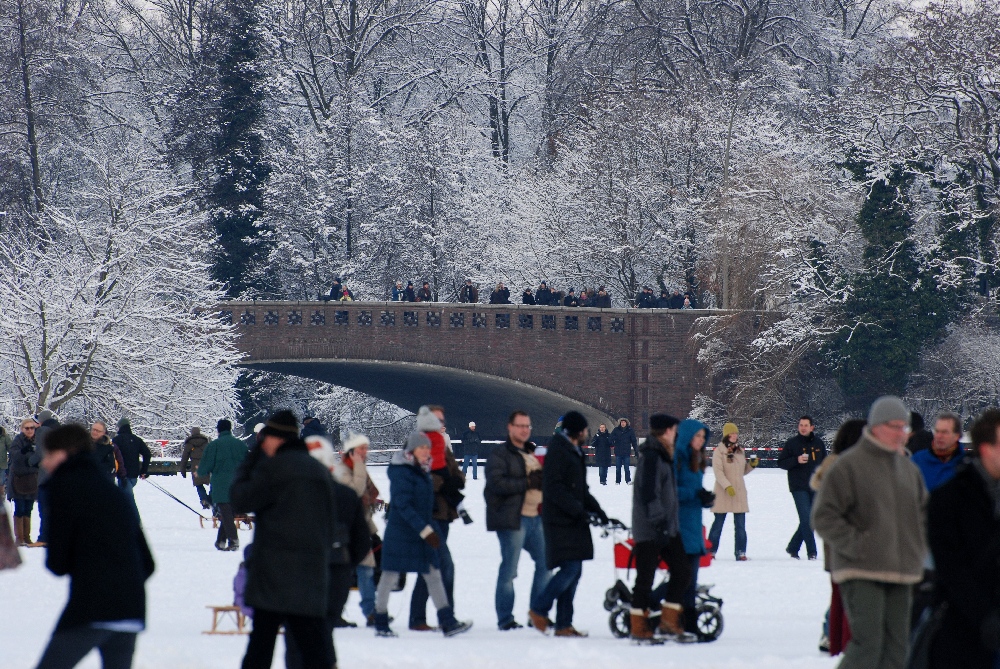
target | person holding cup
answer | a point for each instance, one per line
(730, 465)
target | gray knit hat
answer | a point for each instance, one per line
(415, 441)
(886, 409)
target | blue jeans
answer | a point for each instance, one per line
(532, 539)
(23, 507)
(804, 532)
(619, 463)
(366, 588)
(715, 534)
(602, 471)
(560, 589)
(474, 461)
(418, 600)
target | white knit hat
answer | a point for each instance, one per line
(354, 440)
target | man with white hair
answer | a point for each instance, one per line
(870, 512)
(470, 446)
(352, 471)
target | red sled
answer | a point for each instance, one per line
(624, 558)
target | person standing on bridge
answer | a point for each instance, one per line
(424, 294)
(469, 293)
(409, 295)
(527, 297)
(624, 441)
(543, 296)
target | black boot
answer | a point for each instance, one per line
(448, 624)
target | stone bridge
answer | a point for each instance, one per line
(482, 361)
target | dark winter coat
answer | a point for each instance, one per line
(471, 441)
(424, 295)
(655, 508)
(527, 298)
(314, 428)
(23, 473)
(676, 301)
(964, 532)
(506, 484)
(411, 504)
(567, 504)
(409, 295)
(602, 301)
(293, 499)
(543, 296)
(689, 485)
(132, 447)
(351, 538)
(920, 440)
(602, 448)
(95, 538)
(446, 482)
(221, 460)
(624, 441)
(194, 449)
(468, 294)
(5, 441)
(798, 473)
(500, 296)
(570, 301)
(108, 458)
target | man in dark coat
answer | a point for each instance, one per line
(543, 296)
(513, 495)
(468, 293)
(527, 297)
(964, 531)
(602, 300)
(312, 427)
(566, 516)
(625, 443)
(108, 457)
(657, 532)
(602, 452)
(292, 496)
(470, 450)
(194, 448)
(132, 448)
(94, 538)
(47, 422)
(424, 294)
(801, 455)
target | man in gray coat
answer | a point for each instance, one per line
(870, 512)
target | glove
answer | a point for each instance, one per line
(707, 498)
(754, 461)
(731, 491)
(535, 480)
(433, 540)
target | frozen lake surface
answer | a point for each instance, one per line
(773, 606)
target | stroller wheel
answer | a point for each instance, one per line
(708, 622)
(620, 623)
(611, 598)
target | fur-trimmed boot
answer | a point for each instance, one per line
(670, 624)
(639, 624)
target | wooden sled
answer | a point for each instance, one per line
(220, 614)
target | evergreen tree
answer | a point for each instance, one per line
(896, 307)
(236, 199)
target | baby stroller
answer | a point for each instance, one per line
(707, 624)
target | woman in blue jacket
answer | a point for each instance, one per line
(411, 537)
(690, 464)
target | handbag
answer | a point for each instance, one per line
(25, 484)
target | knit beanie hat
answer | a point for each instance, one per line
(659, 422)
(123, 423)
(886, 409)
(415, 440)
(195, 431)
(355, 440)
(574, 422)
(224, 425)
(45, 415)
(729, 429)
(282, 424)
(426, 421)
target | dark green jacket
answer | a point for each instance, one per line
(222, 457)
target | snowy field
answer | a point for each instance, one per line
(773, 607)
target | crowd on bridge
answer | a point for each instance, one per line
(909, 520)
(543, 295)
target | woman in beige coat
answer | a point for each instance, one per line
(730, 465)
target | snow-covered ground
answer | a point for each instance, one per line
(773, 607)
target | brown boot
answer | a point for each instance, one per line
(538, 621)
(639, 621)
(670, 623)
(19, 530)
